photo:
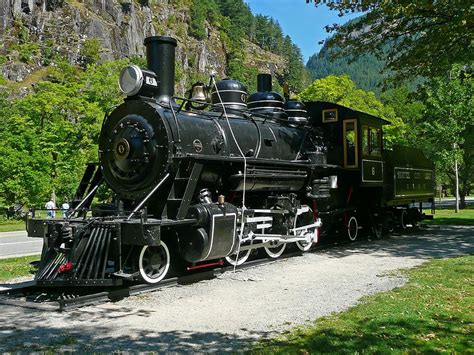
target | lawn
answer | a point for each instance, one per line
(16, 267)
(11, 225)
(447, 216)
(432, 313)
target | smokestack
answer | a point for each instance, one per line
(264, 82)
(160, 58)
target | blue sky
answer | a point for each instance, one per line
(304, 23)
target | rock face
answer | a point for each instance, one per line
(119, 25)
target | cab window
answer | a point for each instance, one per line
(330, 115)
(365, 140)
(371, 141)
(375, 142)
(350, 144)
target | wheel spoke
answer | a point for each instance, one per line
(235, 260)
(275, 252)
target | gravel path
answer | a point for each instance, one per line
(230, 312)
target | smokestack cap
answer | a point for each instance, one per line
(161, 39)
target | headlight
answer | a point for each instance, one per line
(131, 80)
(136, 81)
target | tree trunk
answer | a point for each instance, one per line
(462, 200)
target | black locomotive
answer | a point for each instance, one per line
(214, 176)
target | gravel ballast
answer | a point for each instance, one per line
(230, 312)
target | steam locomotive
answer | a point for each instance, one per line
(212, 177)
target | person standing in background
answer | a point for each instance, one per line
(65, 208)
(50, 207)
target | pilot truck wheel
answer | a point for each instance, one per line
(154, 263)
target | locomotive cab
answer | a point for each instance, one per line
(375, 186)
(354, 138)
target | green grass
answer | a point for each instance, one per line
(11, 225)
(16, 267)
(432, 313)
(448, 217)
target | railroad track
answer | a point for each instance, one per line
(28, 295)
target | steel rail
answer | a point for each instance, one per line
(20, 294)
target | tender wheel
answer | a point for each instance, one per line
(305, 246)
(236, 261)
(403, 219)
(154, 263)
(276, 251)
(352, 228)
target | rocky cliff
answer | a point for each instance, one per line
(30, 30)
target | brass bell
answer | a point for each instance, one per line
(198, 92)
(198, 97)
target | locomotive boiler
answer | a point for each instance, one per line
(215, 177)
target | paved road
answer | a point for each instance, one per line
(18, 244)
(452, 201)
(446, 202)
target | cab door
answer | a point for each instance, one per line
(371, 155)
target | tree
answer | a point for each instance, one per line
(366, 71)
(447, 127)
(22, 165)
(49, 135)
(200, 11)
(410, 110)
(425, 37)
(90, 51)
(297, 75)
(99, 82)
(240, 14)
(343, 91)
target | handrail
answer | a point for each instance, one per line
(148, 196)
(85, 199)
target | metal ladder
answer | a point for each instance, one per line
(182, 190)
